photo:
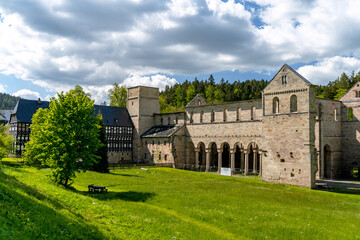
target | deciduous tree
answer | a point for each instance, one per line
(117, 96)
(68, 134)
(5, 141)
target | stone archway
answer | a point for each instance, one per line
(253, 159)
(213, 156)
(201, 161)
(225, 155)
(327, 161)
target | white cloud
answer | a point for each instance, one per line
(329, 69)
(2, 88)
(27, 94)
(159, 81)
(60, 44)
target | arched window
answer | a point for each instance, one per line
(275, 105)
(212, 115)
(201, 116)
(238, 114)
(225, 115)
(293, 103)
(351, 114)
(253, 114)
(191, 117)
(284, 80)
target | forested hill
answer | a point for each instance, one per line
(7, 101)
(174, 98)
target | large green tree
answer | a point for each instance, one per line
(5, 141)
(65, 137)
(117, 96)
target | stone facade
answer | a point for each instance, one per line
(289, 136)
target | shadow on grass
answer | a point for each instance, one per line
(125, 175)
(130, 196)
(338, 186)
(21, 214)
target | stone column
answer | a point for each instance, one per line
(232, 160)
(219, 160)
(246, 162)
(242, 163)
(208, 153)
(197, 151)
(254, 161)
(260, 162)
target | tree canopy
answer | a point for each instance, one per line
(5, 141)
(117, 96)
(65, 137)
(7, 101)
(175, 98)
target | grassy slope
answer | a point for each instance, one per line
(170, 204)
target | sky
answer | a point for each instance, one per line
(49, 46)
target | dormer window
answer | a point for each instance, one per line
(284, 80)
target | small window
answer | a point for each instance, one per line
(293, 103)
(201, 116)
(284, 80)
(225, 115)
(168, 121)
(191, 117)
(212, 115)
(159, 155)
(145, 156)
(165, 157)
(335, 115)
(161, 121)
(176, 120)
(164, 142)
(199, 102)
(275, 105)
(351, 114)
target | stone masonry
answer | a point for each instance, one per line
(289, 136)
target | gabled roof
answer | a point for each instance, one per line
(112, 116)
(291, 69)
(161, 131)
(5, 115)
(350, 89)
(198, 100)
(25, 109)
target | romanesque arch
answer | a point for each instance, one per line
(201, 161)
(213, 155)
(327, 161)
(253, 165)
(225, 151)
(238, 148)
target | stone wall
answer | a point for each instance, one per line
(120, 157)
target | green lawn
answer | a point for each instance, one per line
(165, 203)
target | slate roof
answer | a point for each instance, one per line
(5, 115)
(112, 116)
(25, 109)
(161, 131)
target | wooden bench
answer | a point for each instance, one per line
(93, 188)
